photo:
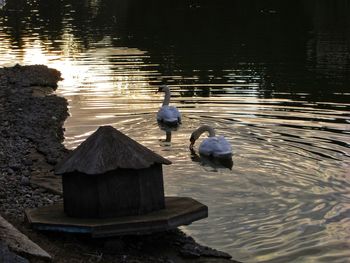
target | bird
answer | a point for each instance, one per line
(213, 146)
(168, 115)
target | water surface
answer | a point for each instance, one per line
(272, 77)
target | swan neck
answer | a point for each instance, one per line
(166, 96)
(203, 129)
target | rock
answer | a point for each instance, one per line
(190, 251)
(51, 160)
(26, 173)
(25, 181)
(28, 162)
(209, 252)
(40, 190)
(114, 246)
(15, 166)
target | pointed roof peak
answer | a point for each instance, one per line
(108, 149)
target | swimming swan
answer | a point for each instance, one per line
(214, 146)
(168, 115)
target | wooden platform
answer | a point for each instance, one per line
(179, 211)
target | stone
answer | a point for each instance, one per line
(190, 251)
(15, 166)
(209, 252)
(28, 162)
(114, 246)
(25, 181)
(26, 173)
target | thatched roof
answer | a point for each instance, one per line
(108, 149)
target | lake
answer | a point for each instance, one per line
(272, 76)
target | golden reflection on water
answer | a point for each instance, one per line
(97, 83)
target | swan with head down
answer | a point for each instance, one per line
(213, 146)
(169, 115)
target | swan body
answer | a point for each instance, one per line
(169, 115)
(214, 146)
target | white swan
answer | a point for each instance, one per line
(214, 146)
(168, 115)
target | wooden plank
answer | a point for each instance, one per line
(20, 243)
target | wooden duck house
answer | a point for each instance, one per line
(113, 186)
(111, 175)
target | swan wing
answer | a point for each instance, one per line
(215, 146)
(168, 114)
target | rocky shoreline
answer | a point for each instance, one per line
(31, 136)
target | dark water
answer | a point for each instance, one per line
(272, 76)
